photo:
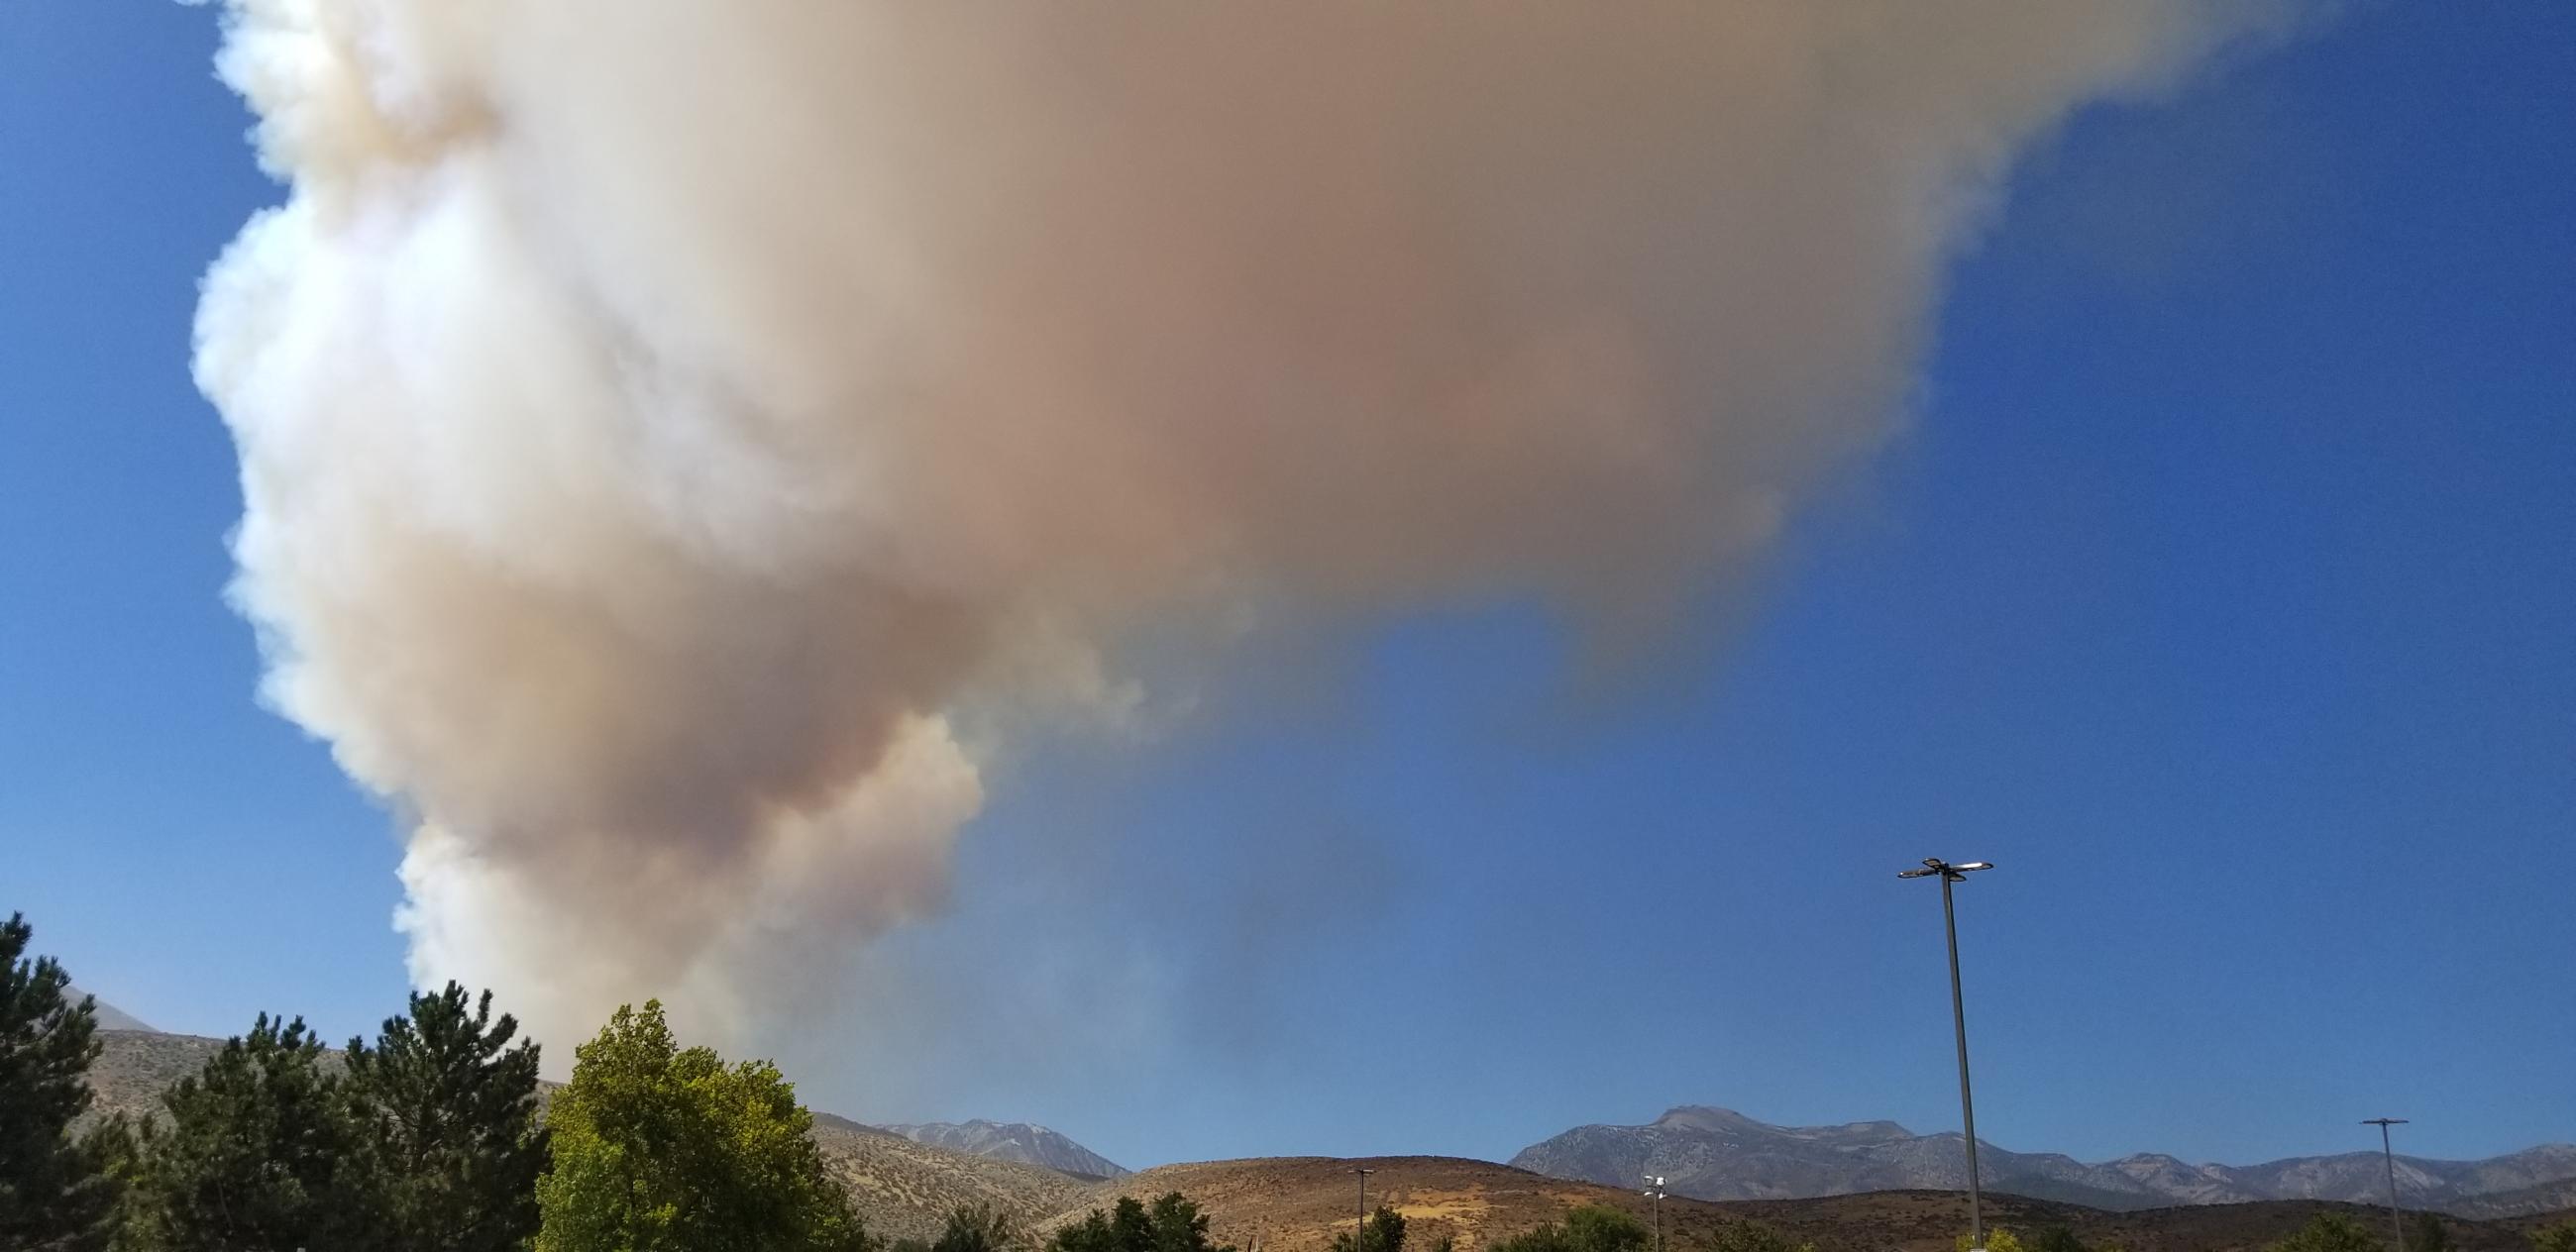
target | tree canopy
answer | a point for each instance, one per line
(56, 1190)
(660, 1149)
(249, 1152)
(1586, 1228)
(977, 1228)
(2329, 1232)
(447, 1141)
(1383, 1232)
(1171, 1224)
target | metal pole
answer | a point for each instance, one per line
(1359, 1233)
(1967, 1106)
(1659, 1221)
(2388, 1155)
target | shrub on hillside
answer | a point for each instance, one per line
(1753, 1236)
(1172, 1224)
(2329, 1232)
(1384, 1232)
(1587, 1228)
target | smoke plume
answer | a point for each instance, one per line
(659, 420)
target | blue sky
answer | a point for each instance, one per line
(2221, 591)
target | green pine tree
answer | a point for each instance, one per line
(248, 1153)
(448, 1146)
(1172, 1224)
(1383, 1233)
(57, 1190)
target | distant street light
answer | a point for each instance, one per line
(1948, 873)
(1655, 1189)
(2388, 1155)
(1359, 1233)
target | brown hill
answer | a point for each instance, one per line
(1296, 1204)
(906, 1189)
(135, 1066)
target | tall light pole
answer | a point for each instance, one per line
(1359, 1233)
(1655, 1190)
(2388, 1155)
(1934, 866)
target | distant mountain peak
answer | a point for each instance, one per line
(1025, 1142)
(1711, 1153)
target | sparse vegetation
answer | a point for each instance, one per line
(2556, 1237)
(2427, 1232)
(1997, 1240)
(1586, 1228)
(58, 1189)
(978, 1228)
(2058, 1239)
(2329, 1232)
(1172, 1224)
(1383, 1232)
(1752, 1236)
(661, 1149)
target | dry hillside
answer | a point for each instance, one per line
(906, 1189)
(135, 1066)
(1296, 1204)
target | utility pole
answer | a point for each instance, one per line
(1655, 1190)
(2388, 1156)
(1359, 1233)
(1949, 873)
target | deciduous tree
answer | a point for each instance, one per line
(1587, 1228)
(978, 1228)
(659, 1149)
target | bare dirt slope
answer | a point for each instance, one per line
(135, 1066)
(1295, 1204)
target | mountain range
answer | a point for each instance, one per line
(906, 1188)
(1718, 1154)
(1014, 1141)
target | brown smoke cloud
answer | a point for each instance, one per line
(659, 420)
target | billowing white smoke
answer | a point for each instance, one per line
(658, 419)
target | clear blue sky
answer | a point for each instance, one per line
(2224, 592)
